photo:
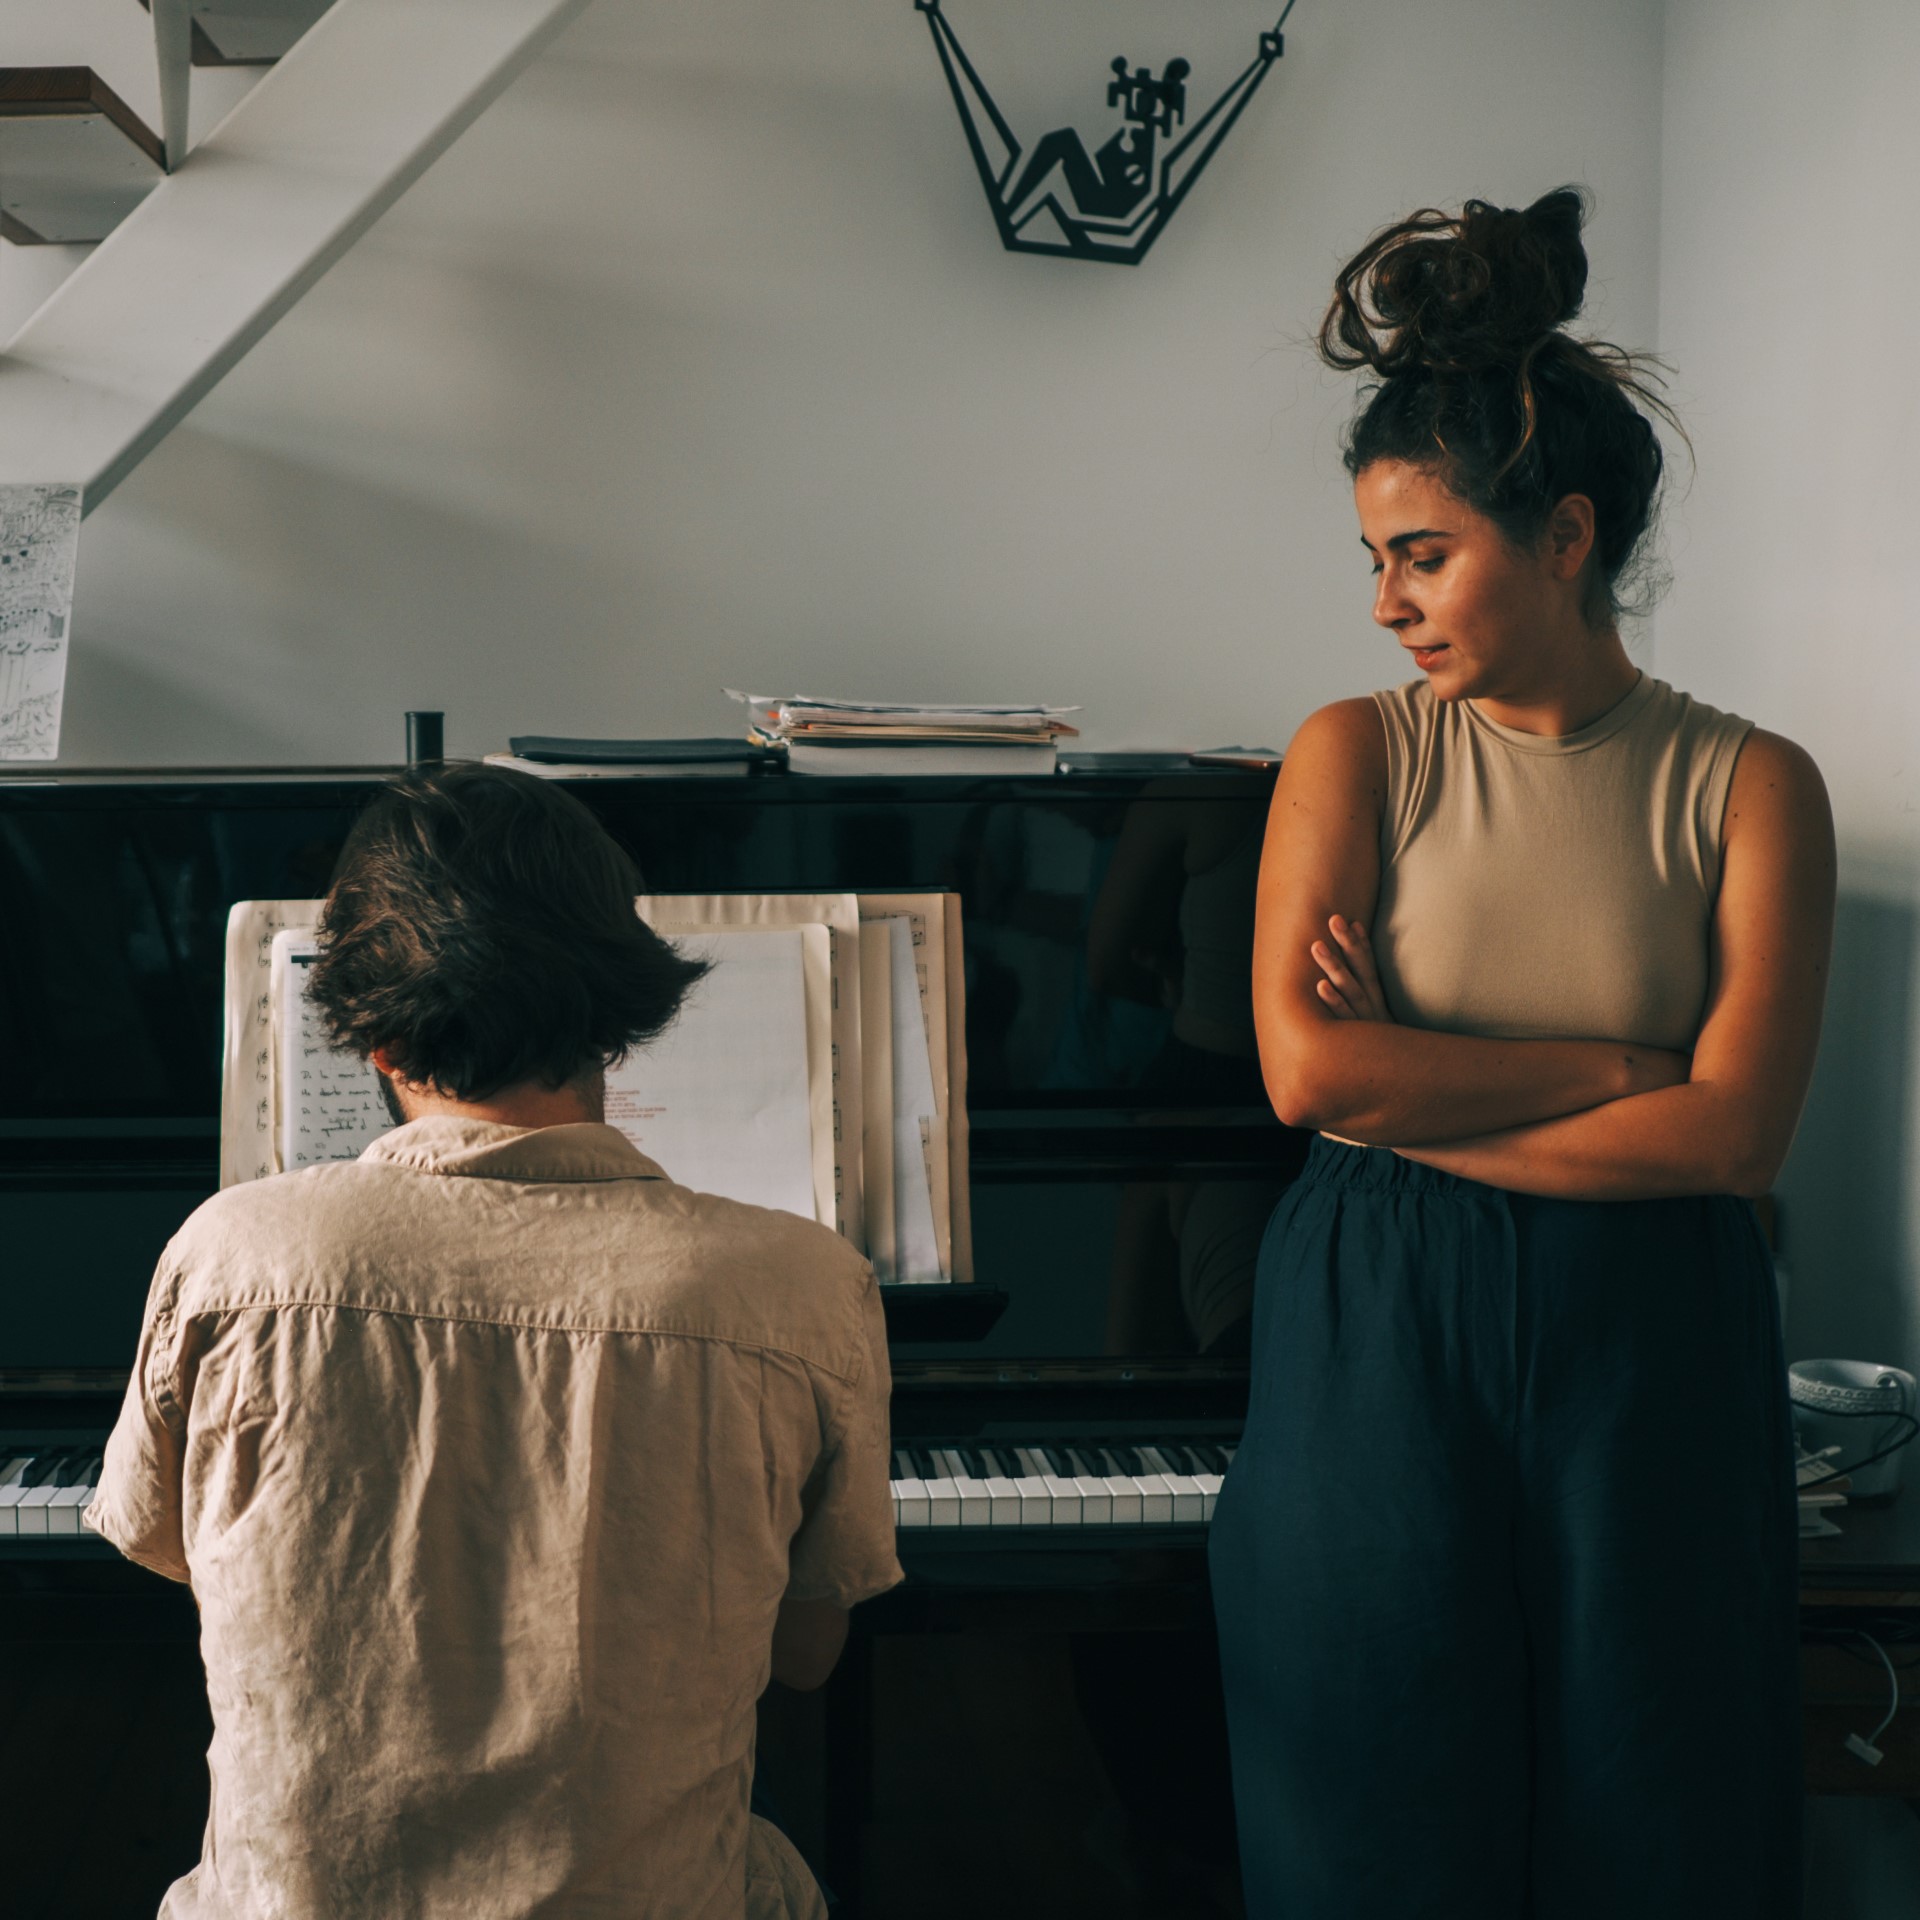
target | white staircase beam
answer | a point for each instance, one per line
(326, 141)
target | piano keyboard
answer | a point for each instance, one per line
(1166, 1484)
(44, 1492)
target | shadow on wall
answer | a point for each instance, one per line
(1845, 1191)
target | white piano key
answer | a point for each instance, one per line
(1125, 1496)
(976, 1504)
(1003, 1496)
(30, 1515)
(1064, 1494)
(12, 1494)
(63, 1510)
(912, 1507)
(1036, 1498)
(1189, 1504)
(1156, 1497)
(1096, 1502)
(943, 1495)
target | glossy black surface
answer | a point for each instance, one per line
(1124, 1154)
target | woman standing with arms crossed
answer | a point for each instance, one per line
(1505, 1566)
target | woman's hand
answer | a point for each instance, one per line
(1351, 987)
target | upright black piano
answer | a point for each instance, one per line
(1125, 1161)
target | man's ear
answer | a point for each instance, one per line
(1570, 534)
(382, 1062)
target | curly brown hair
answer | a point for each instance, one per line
(1462, 320)
(480, 931)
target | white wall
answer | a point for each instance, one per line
(1790, 275)
(698, 362)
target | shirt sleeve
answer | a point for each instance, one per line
(138, 1505)
(844, 1549)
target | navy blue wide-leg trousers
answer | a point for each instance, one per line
(1505, 1566)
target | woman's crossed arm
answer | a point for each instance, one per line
(1728, 1127)
(1372, 1081)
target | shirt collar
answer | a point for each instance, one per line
(485, 1150)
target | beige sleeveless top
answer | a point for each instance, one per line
(1540, 888)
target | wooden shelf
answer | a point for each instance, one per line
(75, 159)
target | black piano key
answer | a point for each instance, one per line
(925, 1465)
(47, 1466)
(1181, 1457)
(1086, 1464)
(1008, 1462)
(1216, 1461)
(1130, 1462)
(975, 1462)
(1056, 1458)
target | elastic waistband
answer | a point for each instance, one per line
(1332, 1163)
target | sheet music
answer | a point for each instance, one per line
(723, 1101)
(876, 1073)
(916, 1241)
(39, 546)
(330, 1104)
(840, 914)
(926, 915)
(249, 1122)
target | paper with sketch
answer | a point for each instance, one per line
(249, 1123)
(916, 1241)
(39, 546)
(839, 1059)
(329, 1102)
(725, 1101)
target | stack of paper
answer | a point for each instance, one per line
(853, 736)
(820, 1067)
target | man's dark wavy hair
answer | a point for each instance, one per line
(481, 932)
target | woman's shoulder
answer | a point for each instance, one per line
(1339, 746)
(1342, 728)
(1682, 712)
(1771, 763)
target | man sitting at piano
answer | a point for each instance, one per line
(503, 1469)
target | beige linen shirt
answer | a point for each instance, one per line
(490, 1457)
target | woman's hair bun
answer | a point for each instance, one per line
(1460, 293)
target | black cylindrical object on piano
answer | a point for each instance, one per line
(426, 739)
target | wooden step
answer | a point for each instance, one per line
(75, 159)
(248, 33)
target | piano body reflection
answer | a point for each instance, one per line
(1061, 1424)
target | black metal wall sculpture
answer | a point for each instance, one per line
(1110, 204)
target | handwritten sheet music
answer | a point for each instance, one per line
(249, 1121)
(330, 1104)
(723, 1101)
(39, 546)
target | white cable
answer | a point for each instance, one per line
(1866, 1749)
